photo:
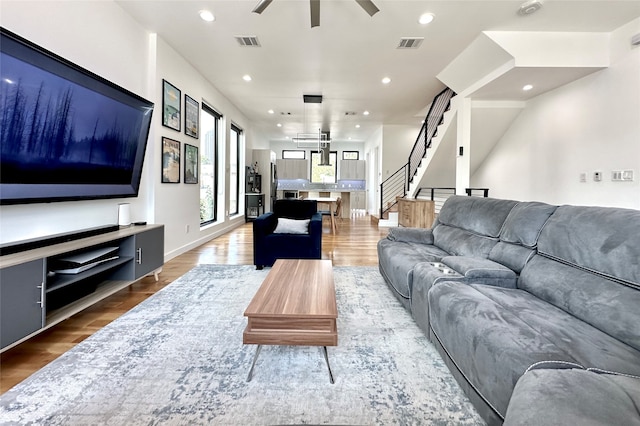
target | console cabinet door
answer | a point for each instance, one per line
(149, 254)
(21, 309)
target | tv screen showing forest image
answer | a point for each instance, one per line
(65, 133)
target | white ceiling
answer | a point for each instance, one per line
(345, 58)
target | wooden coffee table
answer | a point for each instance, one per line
(295, 305)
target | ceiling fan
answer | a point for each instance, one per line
(367, 5)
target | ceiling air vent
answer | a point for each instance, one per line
(410, 42)
(251, 41)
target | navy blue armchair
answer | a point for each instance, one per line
(269, 246)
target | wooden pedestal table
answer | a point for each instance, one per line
(295, 305)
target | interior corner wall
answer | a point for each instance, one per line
(589, 125)
(82, 32)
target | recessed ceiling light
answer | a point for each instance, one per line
(357, 126)
(426, 18)
(246, 77)
(527, 87)
(279, 124)
(366, 113)
(386, 80)
(206, 15)
(270, 111)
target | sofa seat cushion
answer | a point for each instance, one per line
(494, 334)
(574, 397)
(397, 260)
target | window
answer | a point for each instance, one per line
(323, 174)
(209, 165)
(350, 155)
(290, 154)
(234, 169)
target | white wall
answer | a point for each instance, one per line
(82, 32)
(397, 142)
(177, 205)
(101, 37)
(592, 124)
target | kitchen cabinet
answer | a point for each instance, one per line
(352, 169)
(293, 169)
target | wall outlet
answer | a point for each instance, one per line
(627, 175)
(583, 177)
(186, 229)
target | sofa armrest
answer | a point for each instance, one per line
(411, 235)
(315, 224)
(481, 271)
(264, 225)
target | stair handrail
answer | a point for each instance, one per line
(439, 106)
(434, 118)
(393, 186)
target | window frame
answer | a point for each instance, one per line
(216, 167)
(335, 166)
(238, 131)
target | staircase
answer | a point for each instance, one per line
(406, 180)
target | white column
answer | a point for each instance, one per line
(463, 162)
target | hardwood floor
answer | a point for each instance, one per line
(353, 245)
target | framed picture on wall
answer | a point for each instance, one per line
(171, 107)
(190, 163)
(170, 161)
(191, 116)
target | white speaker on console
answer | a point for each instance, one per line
(124, 214)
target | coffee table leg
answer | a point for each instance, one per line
(253, 364)
(326, 358)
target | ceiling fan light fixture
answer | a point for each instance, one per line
(368, 6)
(261, 6)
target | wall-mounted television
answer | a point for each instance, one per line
(65, 132)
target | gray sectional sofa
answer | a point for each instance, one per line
(535, 308)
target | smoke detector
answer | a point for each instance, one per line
(529, 7)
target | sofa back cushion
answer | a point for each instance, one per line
(588, 265)
(525, 222)
(470, 226)
(295, 209)
(482, 216)
(519, 235)
(604, 240)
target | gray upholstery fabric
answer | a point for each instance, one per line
(596, 238)
(460, 242)
(411, 235)
(574, 397)
(425, 275)
(512, 256)
(397, 260)
(483, 216)
(481, 271)
(516, 330)
(524, 223)
(607, 305)
(576, 302)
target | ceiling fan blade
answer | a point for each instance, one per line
(315, 13)
(368, 6)
(262, 5)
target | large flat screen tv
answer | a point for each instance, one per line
(65, 133)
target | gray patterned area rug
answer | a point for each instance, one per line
(178, 359)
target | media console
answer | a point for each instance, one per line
(33, 297)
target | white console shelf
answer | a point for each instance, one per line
(33, 298)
